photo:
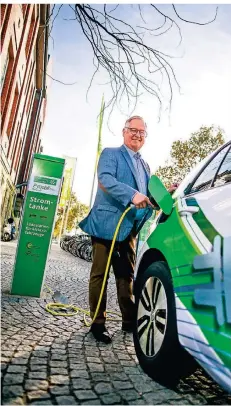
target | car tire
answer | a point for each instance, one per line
(155, 334)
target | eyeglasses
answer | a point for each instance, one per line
(135, 131)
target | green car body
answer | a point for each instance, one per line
(192, 236)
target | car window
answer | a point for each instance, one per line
(205, 179)
(224, 174)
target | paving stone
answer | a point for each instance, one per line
(24, 348)
(161, 396)
(81, 384)
(38, 361)
(94, 359)
(58, 364)
(13, 379)
(58, 357)
(122, 385)
(17, 369)
(7, 347)
(112, 368)
(85, 394)
(92, 402)
(131, 370)
(6, 359)
(13, 401)
(95, 367)
(59, 371)
(123, 356)
(59, 379)
(118, 376)
(8, 354)
(58, 346)
(12, 391)
(143, 387)
(35, 367)
(127, 363)
(79, 367)
(111, 360)
(100, 377)
(41, 348)
(112, 399)
(34, 384)
(60, 390)
(22, 354)
(60, 341)
(37, 375)
(75, 358)
(102, 388)
(38, 394)
(129, 394)
(65, 400)
(40, 354)
(79, 374)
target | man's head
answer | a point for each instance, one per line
(134, 133)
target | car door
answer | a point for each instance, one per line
(204, 213)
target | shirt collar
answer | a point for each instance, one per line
(130, 151)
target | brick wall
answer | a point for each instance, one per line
(20, 121)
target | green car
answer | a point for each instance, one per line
(183, 276)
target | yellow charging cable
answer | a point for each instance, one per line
(53, 307)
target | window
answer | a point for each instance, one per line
(4, 70)
(203, 182)
(12, 113)
(224, 174)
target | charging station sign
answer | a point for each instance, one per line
(37, 225)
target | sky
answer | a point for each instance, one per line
(202, 65)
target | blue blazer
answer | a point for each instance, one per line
(117, 184)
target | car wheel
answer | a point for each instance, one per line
(155, 335)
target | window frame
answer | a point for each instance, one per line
(219, 167)
(187, 191)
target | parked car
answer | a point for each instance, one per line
(183, 276)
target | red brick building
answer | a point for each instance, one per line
(24, 59)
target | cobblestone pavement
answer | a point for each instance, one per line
(52, 360)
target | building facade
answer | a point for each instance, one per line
(24, 60)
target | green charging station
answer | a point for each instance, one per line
(43, 191)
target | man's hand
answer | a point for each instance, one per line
(141, 201)
(172, 188)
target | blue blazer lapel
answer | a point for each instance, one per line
(129, 162)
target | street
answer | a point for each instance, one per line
(52, 360)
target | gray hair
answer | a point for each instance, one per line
(132, 118)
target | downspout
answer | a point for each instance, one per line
(45, 62)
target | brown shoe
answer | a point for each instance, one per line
(100, 333)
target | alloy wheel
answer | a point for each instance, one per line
(152, 316)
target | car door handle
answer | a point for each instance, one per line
(188, 210)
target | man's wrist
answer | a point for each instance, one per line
(134, 196)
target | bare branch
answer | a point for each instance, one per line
(195, 22)
(120, 49)
(60, 81)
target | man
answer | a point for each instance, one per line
(122, 180)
